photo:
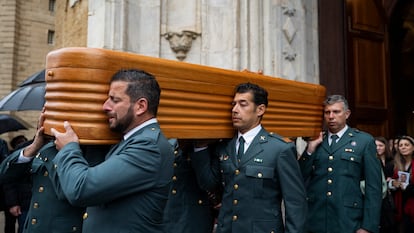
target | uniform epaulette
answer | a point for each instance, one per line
(284, 139)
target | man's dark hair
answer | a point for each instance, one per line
(259, 93)
(140, 85)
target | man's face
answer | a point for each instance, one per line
(335, 116)
(118, 108)
(245, 114)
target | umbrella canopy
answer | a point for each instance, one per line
(38, 77)
(29, 97)
(10, 123)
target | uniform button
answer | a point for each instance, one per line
(174, 178)
(331, 157)
(45, 159)
(221, 171)
(34, 221)
(153, 129)
(259, 175)
(237, 172)
(74, 228)
(236, 186)
(329, 194)
(55, 166)
(330, 169)
(85, 216)
(174, 191)
(235, 202)
(329, 181)
(272, 232)
(355, 204)
(46, 173)
(174, 164)
(35, 205)
(176, 152)
(352, 159)
(234, 218)
(41, 189)
(200, 202)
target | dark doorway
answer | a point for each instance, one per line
(402, 66)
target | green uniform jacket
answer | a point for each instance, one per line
(333, 175)
(128, 191)
(49, 210)
(254, 188)
(188, 208)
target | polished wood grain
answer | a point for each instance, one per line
(195, 99)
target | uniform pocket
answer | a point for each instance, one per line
(257, 175)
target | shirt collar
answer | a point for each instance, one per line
(249, 135)
(132, 131)
(340, 133)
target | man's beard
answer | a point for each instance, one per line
(123, 123)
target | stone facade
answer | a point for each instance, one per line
(24, 29)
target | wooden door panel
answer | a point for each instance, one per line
(368, 76)
(369, 73)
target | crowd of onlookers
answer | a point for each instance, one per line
(396, 156)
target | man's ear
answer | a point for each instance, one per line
(261, 109)
(141, 106)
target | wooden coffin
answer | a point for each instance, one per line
(195, 99)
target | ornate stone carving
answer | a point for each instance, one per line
(181, 43)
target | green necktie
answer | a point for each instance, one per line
(334, 137)
(240, 151)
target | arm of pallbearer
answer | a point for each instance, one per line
(10, 170)
(206, 165)
(306, 160)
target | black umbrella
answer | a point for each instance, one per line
(38, 77)
(29, 97)
(10, 123)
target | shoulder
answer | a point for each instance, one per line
(279, 138)
(150, 132)
(353, 132)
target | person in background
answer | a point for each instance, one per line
(129, 190)
(404, 191)
(9, 219)
(385, 156)
(388, 208)
(17, 194)
(189, 208)
(333, 166)
(256, 169)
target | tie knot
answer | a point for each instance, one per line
(334, 137)
(241, 139)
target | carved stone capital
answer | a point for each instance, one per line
(181, 43)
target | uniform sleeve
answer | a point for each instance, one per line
(293, 190)
(206, 166)
(134, 169)
(373, 188)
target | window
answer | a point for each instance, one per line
(51, 37)
(52, 5)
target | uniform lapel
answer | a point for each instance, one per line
(255, 147)
(343, 140)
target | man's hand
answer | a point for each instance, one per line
(61, 139)
(360, 230)
(312, 145)
(38, 140)
(15, 210)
